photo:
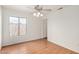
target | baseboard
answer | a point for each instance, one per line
(65, 47)
(45, 38)
(24, 42)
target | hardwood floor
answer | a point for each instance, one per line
(41, 46)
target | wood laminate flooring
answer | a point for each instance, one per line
(41, 46)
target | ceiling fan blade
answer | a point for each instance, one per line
(47, 9)
(60, 8)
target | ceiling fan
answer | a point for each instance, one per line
(40, 8)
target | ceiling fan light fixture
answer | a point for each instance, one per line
(34, 14)
(41, 14)
(37, 14)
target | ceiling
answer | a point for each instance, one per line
(30, 8)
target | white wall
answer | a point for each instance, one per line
(34, 29)
(63, 27)
(0, 26)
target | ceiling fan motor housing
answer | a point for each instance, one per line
(38, 8)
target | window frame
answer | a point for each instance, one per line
(18, 33)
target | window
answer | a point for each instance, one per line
(17, 26)
(22, 26)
